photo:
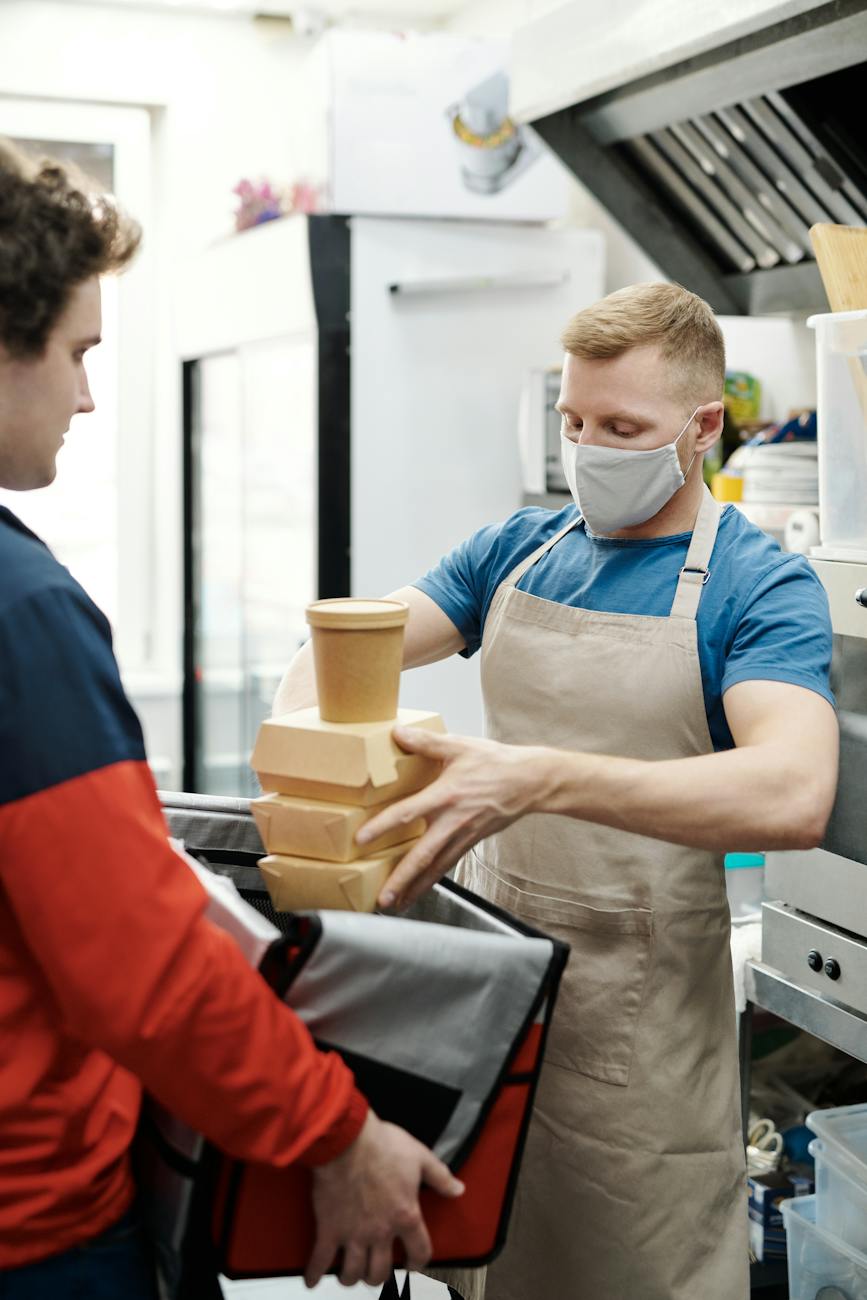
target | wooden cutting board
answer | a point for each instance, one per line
(841, 252)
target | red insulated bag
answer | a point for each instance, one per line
(442, 1016)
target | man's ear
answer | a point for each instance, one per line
(711, 417)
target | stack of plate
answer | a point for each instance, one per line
(781, 473)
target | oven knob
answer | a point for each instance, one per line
(814, 959)
(832, 968)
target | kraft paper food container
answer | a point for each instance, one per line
(355, 763)
(358, 655)
(313, 828)
(298, 884)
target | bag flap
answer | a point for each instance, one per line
(442, 1004)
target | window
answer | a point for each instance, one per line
(97, 516)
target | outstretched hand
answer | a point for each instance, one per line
(483, 787)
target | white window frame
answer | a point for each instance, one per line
(129, 131)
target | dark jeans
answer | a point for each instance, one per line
(114, 1266)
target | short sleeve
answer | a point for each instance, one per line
(464, 582)
(460, 584)
(63, 711)
(783, 631)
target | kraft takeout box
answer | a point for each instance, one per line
(302, 884)
(342, 762)
(315, 828)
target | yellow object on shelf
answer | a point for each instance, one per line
(727, 487)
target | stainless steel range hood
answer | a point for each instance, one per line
(718, 163)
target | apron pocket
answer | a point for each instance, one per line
(602, 990)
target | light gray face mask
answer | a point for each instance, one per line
(616, 488)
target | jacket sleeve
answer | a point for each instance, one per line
(114, 920)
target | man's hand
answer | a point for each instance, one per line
(483, 787)
(367, 1197)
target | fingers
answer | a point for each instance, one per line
(379, 1264)
(432, 744)
(438, 1176)
(416, 1244)
(322, 1258)
(354, 1264)
(397, 814)
(417, 870)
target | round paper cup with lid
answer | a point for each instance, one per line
(358, 655)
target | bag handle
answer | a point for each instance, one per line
(390, 1291)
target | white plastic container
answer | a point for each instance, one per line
(841, 374)
(843, 1129)
(841, 1196)
(745, 880)
(818, 1259)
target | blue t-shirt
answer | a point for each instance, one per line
(763, 613)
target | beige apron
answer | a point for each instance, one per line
(633, 1183)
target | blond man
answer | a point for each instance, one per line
(655, 674)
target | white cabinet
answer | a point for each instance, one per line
(842, 580)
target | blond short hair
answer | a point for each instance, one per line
(680, 323)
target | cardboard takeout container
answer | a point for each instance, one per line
(314, 828)
(301, 884)
(358, 655)
(343, 762)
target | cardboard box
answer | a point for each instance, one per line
(342, 762)
(767, 1229)
(314, 828)
(300, 884)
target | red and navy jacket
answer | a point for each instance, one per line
(110, 977)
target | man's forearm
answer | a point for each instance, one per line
(743, 799)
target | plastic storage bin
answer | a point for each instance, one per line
(841, 357)
(819, 1260)
(841, 1197)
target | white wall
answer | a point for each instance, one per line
(626, 263)
(780, 351)
(223, 95)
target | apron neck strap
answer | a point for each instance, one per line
(695, 571)
(512, 579)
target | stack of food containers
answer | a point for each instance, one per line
(827, 1232)
(328, 770)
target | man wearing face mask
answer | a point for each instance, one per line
(655, 674)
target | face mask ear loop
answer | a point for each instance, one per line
(680, 435)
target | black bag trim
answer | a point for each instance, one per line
(225, 857)
(278, 969)
(176, 1160)
(390, 1291)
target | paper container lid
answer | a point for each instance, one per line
(348, 613)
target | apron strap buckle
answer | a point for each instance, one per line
(689, 568)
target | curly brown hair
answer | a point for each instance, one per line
(57, 229)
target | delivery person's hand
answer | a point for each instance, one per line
(483, 787)
(367, 1197)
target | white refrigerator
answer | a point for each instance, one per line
(352, 388)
